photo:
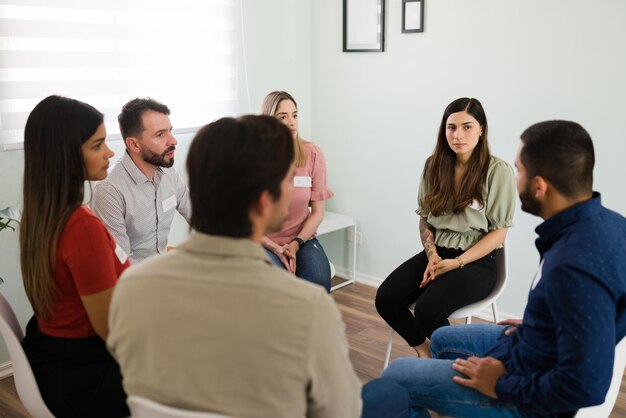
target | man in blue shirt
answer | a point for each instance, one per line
(560, 357)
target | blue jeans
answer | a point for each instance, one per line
(384, 398)
(311, 263)
(429, 381)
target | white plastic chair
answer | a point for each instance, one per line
(619, 365)
(25, 382)
(145, 408)
(502, 265)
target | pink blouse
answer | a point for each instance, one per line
(309, 186)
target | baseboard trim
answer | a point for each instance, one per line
(6, 370)
(374, 281)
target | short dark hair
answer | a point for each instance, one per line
(561, 152)
(129, 118)
(230, 163)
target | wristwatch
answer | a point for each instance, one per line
(299, 240)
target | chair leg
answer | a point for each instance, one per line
(389, 346)
(494, 308)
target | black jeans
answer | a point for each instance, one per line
(77, 377)
(434, 303)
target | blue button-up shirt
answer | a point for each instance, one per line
(561, 358)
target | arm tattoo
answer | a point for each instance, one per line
(428, 237)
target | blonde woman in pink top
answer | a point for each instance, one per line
(295, 247)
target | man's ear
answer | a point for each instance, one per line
(261, 208)
(540, 187)
(132, 144)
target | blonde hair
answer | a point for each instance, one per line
(269, 106)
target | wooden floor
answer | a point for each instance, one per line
(367, 336)
(10, 405)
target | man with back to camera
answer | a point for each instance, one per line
(220, 328)
(136, 201)
(561, 358)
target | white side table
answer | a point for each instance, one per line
(334, 222)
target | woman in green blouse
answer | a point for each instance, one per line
(466, 204)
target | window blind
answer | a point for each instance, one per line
(105, 53)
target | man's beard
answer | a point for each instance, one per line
(529, 203)
(158, 159)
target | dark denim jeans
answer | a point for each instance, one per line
(384, 398)
(311, 263)
(429, 381)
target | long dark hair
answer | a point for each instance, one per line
(54, 174)
(439, 167)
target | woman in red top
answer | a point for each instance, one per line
(70, 263)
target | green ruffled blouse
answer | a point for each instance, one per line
(465, 228)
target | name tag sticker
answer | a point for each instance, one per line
(169, 203)
(121, 254)
(537, 276)
(477, 206)
(302, 181)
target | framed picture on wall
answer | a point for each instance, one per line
(412, 16)
(363, 25)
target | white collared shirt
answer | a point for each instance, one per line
(139, 212)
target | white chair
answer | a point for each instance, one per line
(25, 382)
(604, 410)
(471, 309)
(145, 408)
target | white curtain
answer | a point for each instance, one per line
(180, 52)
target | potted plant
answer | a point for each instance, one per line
(8, 215)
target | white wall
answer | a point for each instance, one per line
(11, 171)
(277, 46)
(376, 115)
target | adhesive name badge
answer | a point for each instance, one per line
(477, 206)
(121, 254)
(169, 203)
(302, 181)
(537, 276)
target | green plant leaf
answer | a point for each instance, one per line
(8, 215)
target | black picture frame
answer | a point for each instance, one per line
(363, 25)
(412, 16)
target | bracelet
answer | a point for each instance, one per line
(299, 240)
(461, 263)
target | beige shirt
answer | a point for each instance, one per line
(214, 326)
(465, 228)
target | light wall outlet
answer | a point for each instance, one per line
(350, 236)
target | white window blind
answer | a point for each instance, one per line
(180, 52)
